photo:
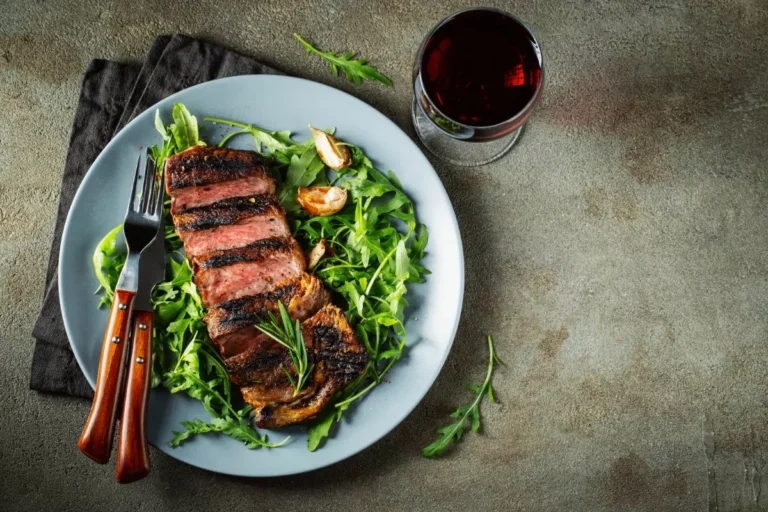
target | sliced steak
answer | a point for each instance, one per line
(191, 197)
(338, 359)
(232, 325)
(230, 274)
(192, 176)
(245, 263)
(230, 223)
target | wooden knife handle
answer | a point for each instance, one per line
(132, 449)
(99, 429)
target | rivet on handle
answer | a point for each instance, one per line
(142, 326)
(115, 339)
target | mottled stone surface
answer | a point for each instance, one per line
(619, 255)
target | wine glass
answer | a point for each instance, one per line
(477, 77)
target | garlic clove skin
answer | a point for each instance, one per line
(334, 155)
(317, 253)
(321, 201)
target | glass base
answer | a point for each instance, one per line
(457, 151)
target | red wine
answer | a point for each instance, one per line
(481, 67)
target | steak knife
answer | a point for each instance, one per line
(132, 450)
(143, 223)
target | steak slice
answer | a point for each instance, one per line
(230, 274)
(232, 325)
(230, 223)
(338, 359)
(191, 197)
(192, 174)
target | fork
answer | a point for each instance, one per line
(142, 224)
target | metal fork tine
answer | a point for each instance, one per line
(158, 210)
(152, 173)
(146, 198)
(132, 203)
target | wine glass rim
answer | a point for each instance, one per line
(526, 110)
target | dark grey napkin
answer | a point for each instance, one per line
(112, 94)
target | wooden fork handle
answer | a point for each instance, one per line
(98, 432)
(132, 449)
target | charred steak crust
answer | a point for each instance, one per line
(255, 252)
(206, 165)
(338, 354)
(228, 211)
(247, 311)
(261, 365)
(338, 358)
(284, 292)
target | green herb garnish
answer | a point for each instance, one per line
(465, 414)
(289, 335)
(355, 69)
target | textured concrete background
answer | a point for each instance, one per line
(619, 254)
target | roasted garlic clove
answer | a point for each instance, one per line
(322, 201)
(333, 154)
(317, 254)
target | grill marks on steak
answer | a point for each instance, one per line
(199, 166)
(331, 346)
(228, 211)
(205, 175)
(232, 325)
(230, 223)
(245, 262)
(230, 274)
(191, 197)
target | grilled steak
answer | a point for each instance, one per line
(232, 325)
(206, 194)
(230, 223)
(203, 175)
(338, 358)
(245, 262)
(230, 274)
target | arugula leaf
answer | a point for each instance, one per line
(107, 264)
(184, 128)
(465, 414)
(264, 139)
(178, 136)
(302, 172)
(233, 427)
(159, 126)
(401, 261)
(355, 69)
(320, 429)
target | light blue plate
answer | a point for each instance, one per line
(275, 103)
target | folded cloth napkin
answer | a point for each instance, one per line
(112, 94)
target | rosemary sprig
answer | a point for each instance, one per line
(289, 335)
(355, 69)
(453, 432)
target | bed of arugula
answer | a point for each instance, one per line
(376, 246)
